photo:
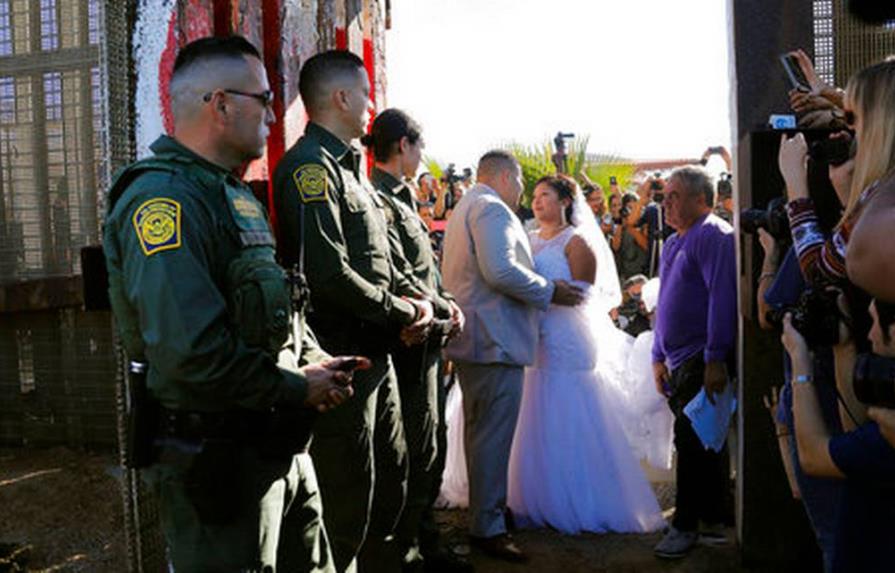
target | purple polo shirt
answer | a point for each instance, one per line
(697, 309)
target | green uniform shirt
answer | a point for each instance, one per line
(170, 239)
(323, 199)
(409, 238)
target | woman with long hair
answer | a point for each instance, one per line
(572, 467)
(870, 112)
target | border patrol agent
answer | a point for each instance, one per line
(196, 292)
(360, 304)
(396, 142)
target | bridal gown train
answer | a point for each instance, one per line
(572, 467)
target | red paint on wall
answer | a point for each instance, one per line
(223, 17)
(370, 65)
(199, 20)
(341, 38)
(165, 68)
(276, 140)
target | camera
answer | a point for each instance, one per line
(725, 188)
(833, 152)
(560, 141)
(816, 316)
(874, 380)
(772, 219)
(450, 175)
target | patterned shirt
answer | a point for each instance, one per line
(822, 259)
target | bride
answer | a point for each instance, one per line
(571, 466)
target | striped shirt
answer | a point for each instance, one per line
(822, 259)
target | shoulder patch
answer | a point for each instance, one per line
(310, 180)
(157, 223)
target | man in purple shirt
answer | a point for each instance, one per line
(694, 339)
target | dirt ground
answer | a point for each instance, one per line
(67, 505)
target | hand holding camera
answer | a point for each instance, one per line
(795, 345)
(793, 163)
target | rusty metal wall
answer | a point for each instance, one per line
(51, 152)
(57, 379)
(57, 366)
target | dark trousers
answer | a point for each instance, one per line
(702, 474)
(430, 533)
(417, 370)
(228, 508)
(360, 455)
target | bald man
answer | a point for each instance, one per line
(196, 294)
(488, 266)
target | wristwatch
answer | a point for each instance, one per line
(803, 379)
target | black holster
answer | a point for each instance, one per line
(142, 416)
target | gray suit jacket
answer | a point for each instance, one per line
(488, 268)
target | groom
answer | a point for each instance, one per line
(488, 267)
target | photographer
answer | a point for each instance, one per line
(426, 185)
(651, 195)
(870, 105)
(629, 241)
(860, 456)
(779, 287)
(632, 316)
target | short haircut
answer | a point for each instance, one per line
(885, 313)
(386, 133)
(202, 66)
(419, 180)
(495, 162)
(696, 181)
(215, 47)
(317, 75)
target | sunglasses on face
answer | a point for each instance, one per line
(265, 97)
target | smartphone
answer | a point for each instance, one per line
(794, 73)
(613, 180)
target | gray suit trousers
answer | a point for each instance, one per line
(491, 397)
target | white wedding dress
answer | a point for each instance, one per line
(572, 467)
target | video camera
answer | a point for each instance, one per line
(657, 188)
(450, 175)
(560, 141)
(772, 219)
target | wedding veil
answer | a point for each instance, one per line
(607, 291)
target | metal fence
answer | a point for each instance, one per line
(57, 368)
(857, 45)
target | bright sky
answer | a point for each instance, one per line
(642, 78)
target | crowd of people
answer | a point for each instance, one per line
(580, 346)
(835, 311)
